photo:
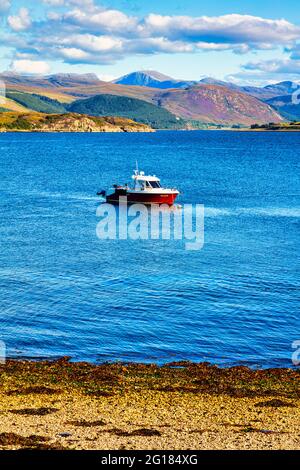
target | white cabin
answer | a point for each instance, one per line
(142, 181)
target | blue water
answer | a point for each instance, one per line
(65, 292)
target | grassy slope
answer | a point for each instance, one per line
(41, 104)
(68, 94)
(55, 94)
(11, 105)
(131, 108)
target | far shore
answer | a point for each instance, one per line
(132, 131)
(265, 130)
(72, 405)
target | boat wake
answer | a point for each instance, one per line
(293, 212)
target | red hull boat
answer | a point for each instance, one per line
(146, 190)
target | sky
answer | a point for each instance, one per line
(247, 42)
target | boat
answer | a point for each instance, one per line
(146, 189)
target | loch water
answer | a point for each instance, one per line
(65, 292)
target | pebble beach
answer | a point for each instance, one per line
(62, 405)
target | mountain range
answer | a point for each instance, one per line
(153, 98)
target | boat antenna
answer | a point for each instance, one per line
(137, 166)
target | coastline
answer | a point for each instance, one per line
(75, 405)
(75, 132)
(140, 131)
(67, 123)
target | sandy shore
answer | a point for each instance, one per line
(63, 405)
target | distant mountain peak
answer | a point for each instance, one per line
(211, 81)
(283, 83)
(285, 88)
(152, 79)
(215, 81)
(144, 75)
(73, 78)
(85, 76)
(157, 75)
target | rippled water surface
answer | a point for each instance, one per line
(65, 292)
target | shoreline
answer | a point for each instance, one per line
(135, 131)
(252, 366)
(78, 405)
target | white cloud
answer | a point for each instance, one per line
(30, 67)
(81, 3)
(239, 33)
(107, 77)
(86, 33)
(4, 6)
(53, 16)
(54, 3)
(157, 44)
(20, 22)
(73, 54)
(275, 66)
(91, 43)
(101, 20)
(228, 29)
(78, 3)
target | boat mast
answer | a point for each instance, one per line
(136, 173)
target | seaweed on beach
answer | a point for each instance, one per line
(34, 411)
(86, 424)
(105, 380)
(137, 432)
(275, 403)
(41, 390)
(33, 442)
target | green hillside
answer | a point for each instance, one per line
(131, 108)
(39, 103)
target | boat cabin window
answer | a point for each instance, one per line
(155, 184)
(147, 184)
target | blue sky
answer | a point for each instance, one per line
(247, 42)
